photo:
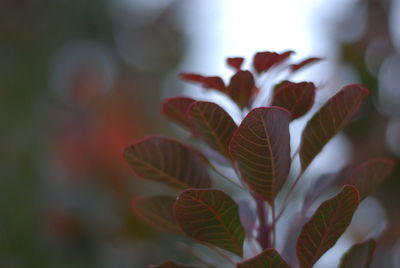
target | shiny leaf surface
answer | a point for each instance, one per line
(263, 61)
(325, 227)
(297, 98)
(176, 110)
(157, 212)
(329, 120)
(240, 88)
(213, 124)
(212, 217)
(260, 149)
(168, 161)
(269, 258)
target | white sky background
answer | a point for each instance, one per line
(224, 28)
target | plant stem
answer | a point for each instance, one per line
(226, 178)
(273, 228)
(284, 203)
(263, 236)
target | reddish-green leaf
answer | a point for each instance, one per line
(368, 176)
(157, 212)
(326, 226)
(297, 98)
(214, 82)
(260, 149)
(240, 88)
(168, 161)
(263, 61)
(176, 110)
(213, 124)
(211, 217)
(295, 67)
(359, 255)
(170, 264)
(269, 258)
(235, 63)
(329, 120)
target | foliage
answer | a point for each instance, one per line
(258, 151)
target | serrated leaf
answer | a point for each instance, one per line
(260, 149)
(297, 66)
(269, 258)
(240, 88)
(168, 161)
(359, 255)
(176, 110)
(235, 63)
(214, 82)
(325, 227)
(329, 120)
(157, 212)
(212, 217)
(297, 98)
(170, 264)
(213, 124)
(368, 176)
(263, 61)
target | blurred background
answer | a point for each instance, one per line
(79, 80)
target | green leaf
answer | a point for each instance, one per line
(212, 217)
(170, 264)
(297, 98)
(213, 124)
(329, 120)
(359, 255)
(269, 258)
(260, 149)
(157, 212)
(368, 176)
(240, 88)
(325, 227)
(168, 161)
(176, 110)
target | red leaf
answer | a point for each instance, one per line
(263, 61)
(213, 124)
(240, 88)
(325, 227)
(295, 67)
(368, 176)
(214, 82)
(269, 258)
(170, 264)
(297, 98)
(359, 255)
(212, 217)
(168, 161)
(235, 63)
(260, 149)
(176, 110)
(329, 120)
(156, 211)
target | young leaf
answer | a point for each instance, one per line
(295, 67)
(235, 63)
(359, 255)
(297, 98)
(368, 176)
(213, 124)
(176, 110)
(263, 61)
(269, 258)
(168, 161)
(170, 264)
(326, 226)
(212, 217)
(329, 120)
(240, 88)
(157, 212)
(214, 82)
(260, 149)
